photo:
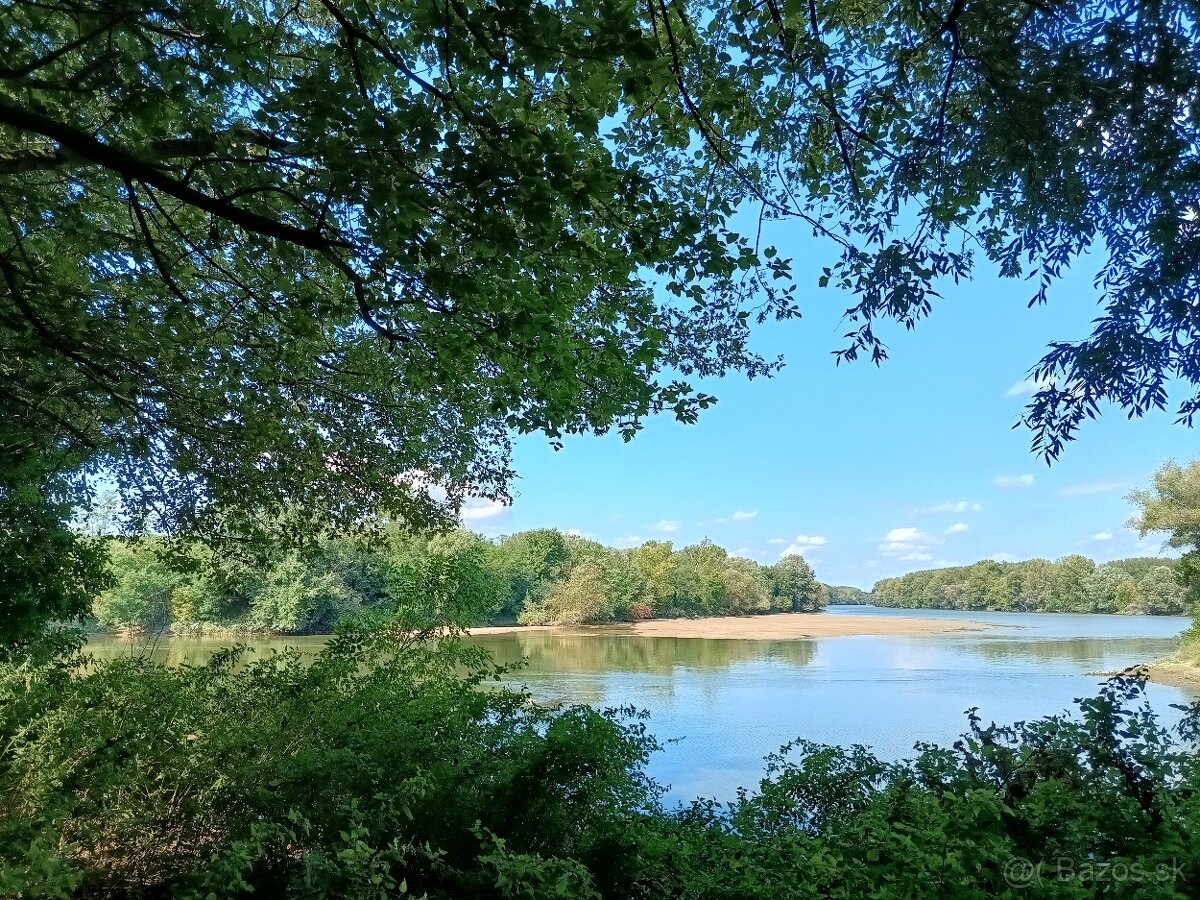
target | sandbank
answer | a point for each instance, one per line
(775, 627)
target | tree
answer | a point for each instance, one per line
(1173, 505)
(1073, 571)
(327, 257)
(579, 598)
(746, 587)
(528, 562)
(281, 269)
(1161, 593)
(443, 579)
(141, 592)
(794, 587)
(656, 561)
(698, 583)
(1072, 584)
(292, 597)
(48, 571)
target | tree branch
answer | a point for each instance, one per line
(130, 166)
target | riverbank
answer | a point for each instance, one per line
(776, 627)
(1175, 673)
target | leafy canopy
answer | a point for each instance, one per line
(284, 268)
(323, 256)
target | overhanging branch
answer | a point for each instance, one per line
(79, 143)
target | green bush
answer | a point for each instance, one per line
(378, 766)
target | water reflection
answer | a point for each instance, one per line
(197, 650)
(551, 652)
(1086, 651)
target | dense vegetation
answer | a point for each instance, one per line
(377, 770)
(1139, 586)
(1172, 505)
(283, 271)
(845, 595)
(326, 255)
(539, 577)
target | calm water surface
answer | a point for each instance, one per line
(724, 704)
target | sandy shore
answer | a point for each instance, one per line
(778, 627)
(1177, 674)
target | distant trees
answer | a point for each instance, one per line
(545, 577)
(844, 595)
(540, 577)
(794, 587)
(1072, 584)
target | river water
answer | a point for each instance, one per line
(720, 706)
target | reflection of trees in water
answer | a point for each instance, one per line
(195, 651)
(1082, 650)
(550, 652)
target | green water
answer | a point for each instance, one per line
(721, 705)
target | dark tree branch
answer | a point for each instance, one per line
(133, 167)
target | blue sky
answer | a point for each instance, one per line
(870, 472)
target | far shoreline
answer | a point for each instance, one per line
(771, 627)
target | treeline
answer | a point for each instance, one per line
(542, 577)
(845, 595)
(1138, 586)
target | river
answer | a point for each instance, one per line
(720, 706)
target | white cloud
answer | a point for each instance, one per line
(1102, 536)
(632, 539)
(1003, 557)
(667, 525)
(575, 532)
(1028, 387)
(476, 508)
(777, 541)
(1008, 481)
(1091, 487)
(715, 522)
(958, 528)
(802, 544)
(909, 544)
(741, 516)
(962, 506)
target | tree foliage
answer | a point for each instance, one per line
(278, 269)
(845, 595)
(923, 138)
(1172, 505)
(329, 254)
(541, 577)
(1074, 583)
